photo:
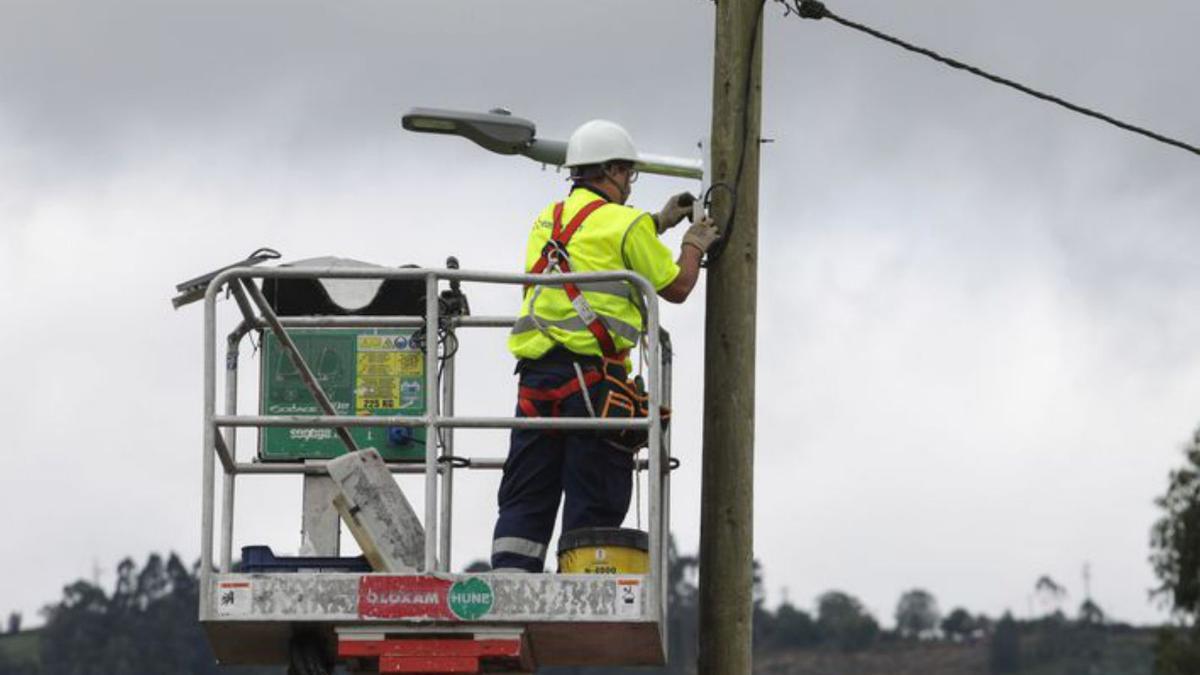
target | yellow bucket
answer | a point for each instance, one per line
(604, 550)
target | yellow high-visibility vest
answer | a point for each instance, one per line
(614, 237)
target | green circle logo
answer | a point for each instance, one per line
(471, 599)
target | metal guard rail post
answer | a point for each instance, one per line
(224, 446)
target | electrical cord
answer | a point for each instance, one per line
(814, 9)
(454, 461)
(447, 341)
(264, 253)
(707, 200)
(446, 337)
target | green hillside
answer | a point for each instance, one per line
(19, 649)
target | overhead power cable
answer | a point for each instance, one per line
(814, 9)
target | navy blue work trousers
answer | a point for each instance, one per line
(542, 465)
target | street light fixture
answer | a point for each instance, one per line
(497, 131)
(502, 133)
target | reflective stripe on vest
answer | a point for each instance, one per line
(620, 289)
(574, 323)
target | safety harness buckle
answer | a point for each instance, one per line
(554, 253)
(584, 309)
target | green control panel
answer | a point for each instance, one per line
(363, 371)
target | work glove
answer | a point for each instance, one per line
(676, 209)
(702, 234)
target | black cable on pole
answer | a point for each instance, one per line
(718, 247)
(814, 9)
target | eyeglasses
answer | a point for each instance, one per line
(633, 174)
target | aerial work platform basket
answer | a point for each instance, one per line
(416, 615)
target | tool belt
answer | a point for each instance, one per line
(617, 397)
(610, 395)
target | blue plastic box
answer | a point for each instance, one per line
(261, 559)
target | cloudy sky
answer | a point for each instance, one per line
(978, 346)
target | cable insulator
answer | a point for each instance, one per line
(811, 9)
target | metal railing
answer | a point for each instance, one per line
(438, 424)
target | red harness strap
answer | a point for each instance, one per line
(562, 235)
(559, 238)
(526, 396)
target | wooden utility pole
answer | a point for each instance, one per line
(727, 494)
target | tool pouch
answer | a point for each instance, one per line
(617, 397)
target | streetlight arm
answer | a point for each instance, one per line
(546, 152)
(680, 167)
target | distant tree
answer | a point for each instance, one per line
(844, 623)
(683, 615)
(125, 592)
(1175, 537)
(959, 625)
(1056, 617)
(984, 623)
(763, 620)
(1049, 591)
(1175, 557)
(1052, 637)
(794, 628)
(1090, 613)
(153, 583)
(1004, 653)
(14, 623)
(1177, 651)
(916, 613)
(148, 625)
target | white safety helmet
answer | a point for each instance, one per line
(599, 141)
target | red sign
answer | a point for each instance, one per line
(382, 597)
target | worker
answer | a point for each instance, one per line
(566, 339)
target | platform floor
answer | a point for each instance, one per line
(571, 619)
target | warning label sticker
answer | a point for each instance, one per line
(410, 363)
(234, 598)
(629, 597)
(388, 374)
